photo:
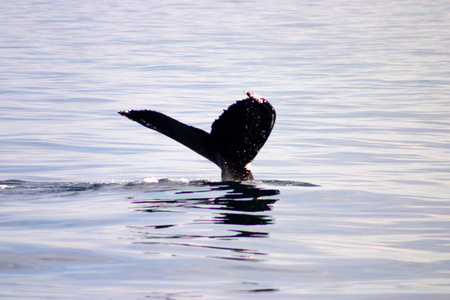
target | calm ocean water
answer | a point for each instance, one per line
(352, 198)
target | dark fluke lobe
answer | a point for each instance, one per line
(235, 139)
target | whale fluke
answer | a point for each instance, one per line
(235, 139)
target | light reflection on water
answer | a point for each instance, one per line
(361, 93)
(160, 237)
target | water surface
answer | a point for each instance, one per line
(351, 198)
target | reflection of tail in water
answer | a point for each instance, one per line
(243, 219)
(239, 200)
(244, 191)
(245, 198)
(237, 204)
(235, 139)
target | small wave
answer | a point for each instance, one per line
(159, 180)
(288, 183)
(10, 184)
(21, 187)
(184, 181)
(151, 184)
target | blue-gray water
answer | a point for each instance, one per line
(94, 206)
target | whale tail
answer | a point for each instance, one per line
(235, 139)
